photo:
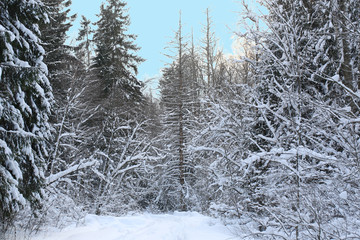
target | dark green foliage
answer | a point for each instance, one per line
(59, 57)
(25, 97)
(115, 63)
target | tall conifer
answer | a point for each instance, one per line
(25, 98)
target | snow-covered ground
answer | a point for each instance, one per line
(177, 226)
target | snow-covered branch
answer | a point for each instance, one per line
(55, 177)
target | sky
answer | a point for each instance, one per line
(155, 23)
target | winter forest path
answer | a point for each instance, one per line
(177, 226)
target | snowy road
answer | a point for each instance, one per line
(177, 226)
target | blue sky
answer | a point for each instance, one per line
(154, 21)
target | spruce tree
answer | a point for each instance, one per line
(85, 47)
(25, 101)
(63, 70)
(58, 55)
(116, 93)
(68, 155)
(180, 104)
(116, 62)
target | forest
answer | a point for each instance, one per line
(270, 135)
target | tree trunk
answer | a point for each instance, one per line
(181, 119)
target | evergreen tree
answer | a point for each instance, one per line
(84, 49)
(172, 176)
(69, 158)
(180, 102)
(115, 63)
(117, 125)
(58, 56)
(63, 69)
(25, 97)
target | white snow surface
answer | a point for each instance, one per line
(176, 226)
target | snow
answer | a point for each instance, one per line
(26, 31)
(336, 78)
(2, 29)
(53, 177)
(176, 226)
(343, 195)
(20, 97)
